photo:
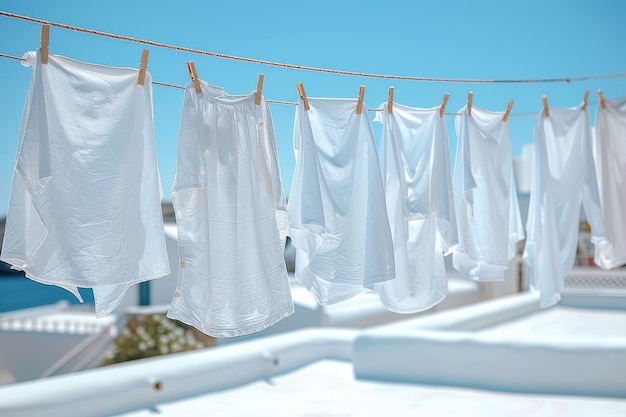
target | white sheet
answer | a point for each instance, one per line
(564, 176)
(232, 216)
(85, 207)
(337, 216)
(610, 159)
(418, 193)
(487, 210)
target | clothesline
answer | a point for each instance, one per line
(303, 67)
(291, 103)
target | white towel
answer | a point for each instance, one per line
(418, 192)
(610, 147)
(85, 208)
(337, 216)
(232, 216)
(487, 209)
(564, 176)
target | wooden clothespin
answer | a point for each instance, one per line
(546, 109)
(359, 104)
(45, 41)
(508, 111)
(390, 101)
(470, 97)
(259, 89)
(444, 102)
(191, 69)
(585, 99)
(142, 67)
(302, 95)
(602, 99)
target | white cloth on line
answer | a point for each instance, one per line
(610, 159)
(85, 206)
(232, 216)
(564, 175)
(488, 216)
(337, 216)
(418, 192)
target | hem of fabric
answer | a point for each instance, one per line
(177, 314)
(326, 301)
(480, 266)
(127, 284)
(18, 264)
(394, 308)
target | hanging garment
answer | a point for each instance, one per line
(85, 207)
(418, 192)
(488, 217)
(564, 176)
(337, 216)
(232, 216)
(610, 159)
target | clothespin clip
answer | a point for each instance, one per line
(191, 69)
(442, 108)
(359, 104)
(390, 101)
(302, 95)
(45, 41)
(142, 67)
(508, 111)
(585, 99)
(470, 97)
(546, 109)
(602, 99)
(259, 88)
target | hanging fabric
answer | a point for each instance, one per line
(337, 216)
(418, 194)
(231, 214)
(488, 217)
(85, 207)
(610, 159)
(564, 175)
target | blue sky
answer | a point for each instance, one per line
(444, 39)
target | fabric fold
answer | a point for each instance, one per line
(487, 210)
(337, 215)
(564, 176)
(418, 192)
(85, 206)
(232, 216)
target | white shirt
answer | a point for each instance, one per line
(487, 209)
(337, 216)
(418, 193)
(564, 176)
(232, 216)
(85, 208)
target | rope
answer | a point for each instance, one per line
(289, 103)
(301, 67)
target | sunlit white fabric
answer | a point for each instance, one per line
(232, 216)
(488, 217)
(418, 193)
(85, 208)
(564, 175)
(337, 216)
(610, 158)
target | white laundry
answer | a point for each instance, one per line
(488, 217)
(337, 216)
(232, 216)
(85, 207)
(610, 159)
(418, 192)
(564, 176)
